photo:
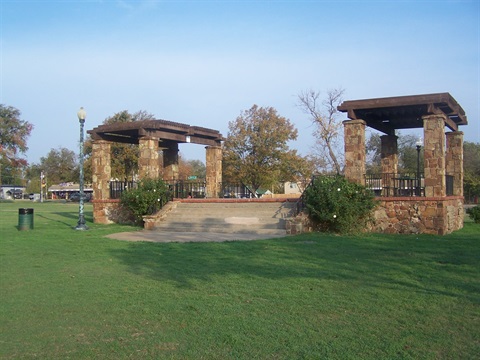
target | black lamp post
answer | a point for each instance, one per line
(82, 114)
(419, 181)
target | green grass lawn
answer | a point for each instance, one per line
(67, 294)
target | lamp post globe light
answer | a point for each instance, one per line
(82, 114)
(419, 144)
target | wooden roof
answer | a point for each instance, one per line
(165, 131)
(404, 112)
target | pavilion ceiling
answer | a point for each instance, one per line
(404, 112)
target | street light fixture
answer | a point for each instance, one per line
(419, 144)
(82, 114)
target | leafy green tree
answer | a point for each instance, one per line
(191, 168)
(13, 141)
(407, 150)
(471, 168)
(60, 165)
(374, 157)
(33, 173)
(12, 172)
(198, 168)
(256, 151)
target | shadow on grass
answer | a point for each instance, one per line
(428, 265)
(68, 215)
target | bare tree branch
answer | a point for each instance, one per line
(323, 115)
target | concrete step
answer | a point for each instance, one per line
(226, 222)
(232, 229)
(228, 217)
(179, 213)
(254, 208)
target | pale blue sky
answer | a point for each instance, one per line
(203, 62)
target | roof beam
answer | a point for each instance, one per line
(162, 129)
(433, 109)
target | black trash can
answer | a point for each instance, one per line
(25, 219)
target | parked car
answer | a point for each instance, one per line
(17, 194)
(75, 197)
(34, 196)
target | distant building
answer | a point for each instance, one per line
(65, 190)
(293, 188)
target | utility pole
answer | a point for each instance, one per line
(42, 185)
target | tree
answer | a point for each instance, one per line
(373, 148)
(198, 168)
(124, 157)
(33, 175)
(188, 168)
(60, 165)
(327, 127)
(407, 150)
(471, 166)
(407, 154)
(13, 138)
(256, 151)
(12, 172)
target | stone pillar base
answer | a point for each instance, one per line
(438, 216)
(107, 212)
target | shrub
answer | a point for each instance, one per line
(146, 199)
(338, 205)
(474, 213)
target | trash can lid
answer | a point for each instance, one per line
(25, 211)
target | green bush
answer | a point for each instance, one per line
(474, 213)
(146, 199)
(338, 205)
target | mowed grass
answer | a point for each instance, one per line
(67, 294)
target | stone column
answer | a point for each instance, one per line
(355, 152)
(101, 169)
(101, 175)
(170, 162)
(454, 160)
(434, 155)
(148, 159)
(213, 171)
(389, 155)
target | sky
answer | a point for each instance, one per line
(202, 62)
